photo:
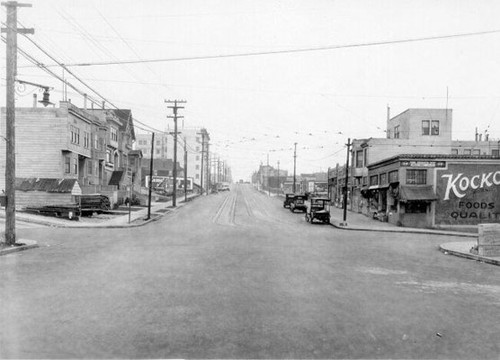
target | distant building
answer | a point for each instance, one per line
(195, 139)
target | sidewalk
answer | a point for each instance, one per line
(361, 222)
(137, 218)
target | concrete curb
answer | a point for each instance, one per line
(28, 244)
(406, 230)
(154, 217)
(459, 249)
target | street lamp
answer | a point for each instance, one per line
(46, 95)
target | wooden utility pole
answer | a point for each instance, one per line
(10, 134)
(344, 223)
(174, 108)
(151, 175)
(278, 190)
(202, 156)
(209, 170)
(185, 170)
(294, 166)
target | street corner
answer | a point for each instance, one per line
(20, 245)
(463, 249)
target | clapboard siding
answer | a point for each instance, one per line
(43, 139)
(42, 198)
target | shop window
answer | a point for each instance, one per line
(416, 207)
(383, 179)
(393, 176)
(374, 180)
(416, 176)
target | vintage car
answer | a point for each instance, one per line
(298, 203)
(317, 208)
(288, 200)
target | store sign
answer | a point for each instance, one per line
(437, 164)
(468, 194)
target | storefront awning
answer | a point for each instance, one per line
(416, 193)
(378, 187)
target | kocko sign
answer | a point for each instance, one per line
(468, 194)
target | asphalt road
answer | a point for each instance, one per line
(234, 275)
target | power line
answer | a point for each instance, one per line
(43, 67)
(289, 51)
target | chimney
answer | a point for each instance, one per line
(34, 100)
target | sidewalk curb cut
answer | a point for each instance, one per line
(469, 256)
(29, 244)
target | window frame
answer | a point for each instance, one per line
(396, 132)
(426, 130)
(416, 176)
(359, 159)
(434, 131)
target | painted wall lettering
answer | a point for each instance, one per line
(459, 184)
(469, 194)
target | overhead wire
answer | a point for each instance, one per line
(288, 51)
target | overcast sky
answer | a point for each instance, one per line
(259, 106)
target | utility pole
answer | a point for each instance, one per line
(10, 139)
(268, 177)
(208, 180)
(344, 223)
(294, 166)
(151, 175)
(202, 156)
(278, 190)
(174, 108)
(185, 170)
(218, 169)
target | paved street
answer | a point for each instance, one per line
(234, 275)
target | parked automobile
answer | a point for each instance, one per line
(288, 200)
(298, 203)
(317, 208)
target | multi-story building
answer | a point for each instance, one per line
(194, 140)
(414, 131)
(422, 132)
(69, 142)
(59, 142)
(119, 158)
